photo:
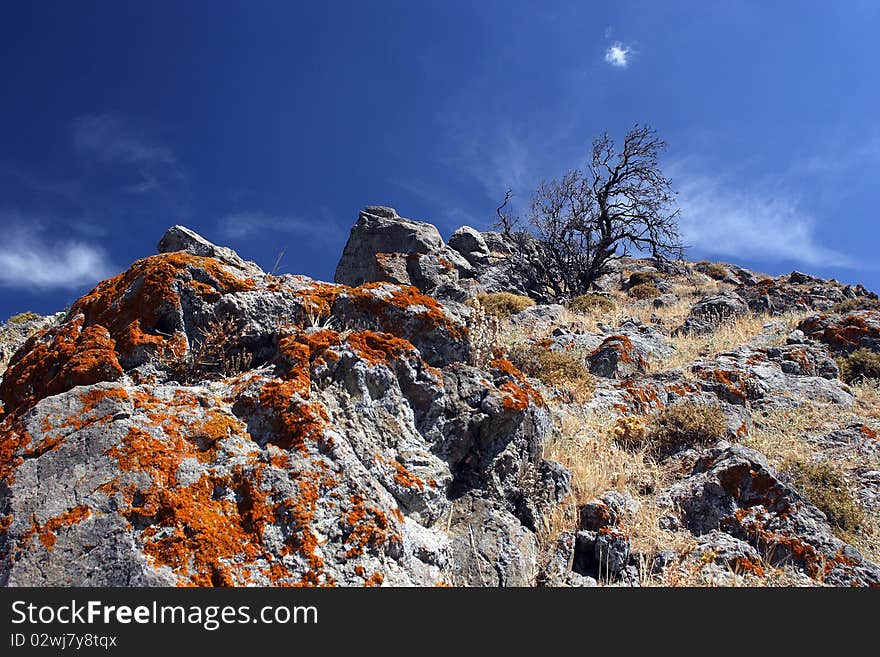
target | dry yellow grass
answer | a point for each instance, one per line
(781, 436)
(587, 447)
(732, 333)
(867, 398)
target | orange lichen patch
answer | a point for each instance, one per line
(518, 387)
(318, 298)
(199, 536)
(158, 457)
(644, 397)
(366, 527)
(448, 266)
(427, 314)
(47, 531)
(135, 305)
(300, 349)
(66, 357)
(730, 380)
(682, 389)
(747, 565)
(13, 440)
(868, 431)
(47, 444)
(379, 348)
(296, 422)
(844, 335)
(780, 547)
(406, 478)
(375, 579)
(513, 398)
(320, 343)
(624, 347)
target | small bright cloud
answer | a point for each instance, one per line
(29, 260)
(618, 55)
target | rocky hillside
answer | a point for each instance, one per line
(427, 419)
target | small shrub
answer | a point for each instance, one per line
(213, 354)
(504, 304)
(23, 318)
(824, 485)
(685, 424)
(859, 365)
(859, 303)
(644, 291)
(586, 303)
(554, 368)
(630, 430)
(642, 278)
(714, 270)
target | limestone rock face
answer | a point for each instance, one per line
(385, 247)
(196, 421)
(734, 489)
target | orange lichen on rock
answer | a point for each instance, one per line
(367, 527)
(843, 334)
(732, 381)
(518, 391)
(57, 361)
(379, 348)
(48, 531)
(644, 397)
(624, 347)
(318, 298)
(406, 478)
(13, 440)
(427, 313)
(137, 305)
(296, 421)
(514, 397)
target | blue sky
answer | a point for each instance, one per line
(267, 125)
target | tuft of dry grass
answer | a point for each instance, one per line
(586, 304)
(859, 303)
(824, 484)
(714, 270)
(867, 394)
(644, 291)
(588, 447)
(685, 424)
(23, 318)
(504, 304)
(859, 365)
(560, 369)
(781, 436)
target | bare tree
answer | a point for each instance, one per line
(621, 205)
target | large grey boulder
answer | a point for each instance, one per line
(471, 244)
(383, 246)
(710, 312)
(733, 489)
(181, 238)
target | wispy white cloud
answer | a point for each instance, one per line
(29, 259)
(247, 224)
(764, 221)
(113, 139)
(618, 54)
